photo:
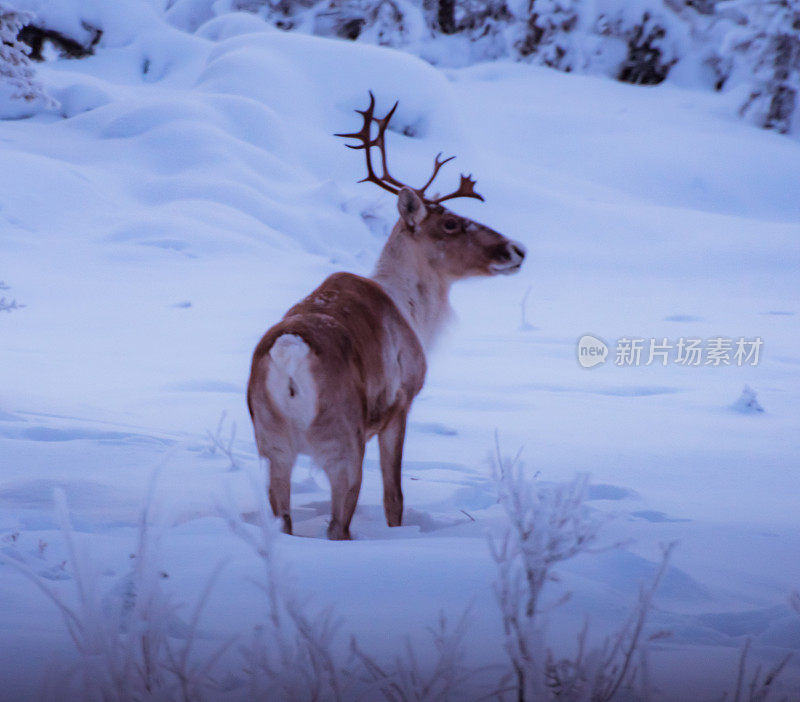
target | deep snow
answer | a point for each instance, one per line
(168, 217)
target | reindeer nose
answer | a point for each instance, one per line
(508, 257)
(517, 249)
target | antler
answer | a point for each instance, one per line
(364, 135)
(386, 181)
(465, 189)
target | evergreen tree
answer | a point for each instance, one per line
(17, 74)
(764, 50)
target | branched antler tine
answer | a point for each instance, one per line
(380, 142)
(465, 189)
(437, 164)
(364, 135)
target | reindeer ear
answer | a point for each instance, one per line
(411, 207)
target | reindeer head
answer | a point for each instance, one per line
(456, 246)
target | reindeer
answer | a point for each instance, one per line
(345, 363)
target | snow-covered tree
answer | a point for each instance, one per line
(446, 16)
(383, 22)
(762, 50)
(649, 56)
(650, 36)
(18, 82)
(751, 46)
(549, 37)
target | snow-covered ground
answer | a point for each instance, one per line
(194, 191)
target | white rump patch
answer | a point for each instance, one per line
(290, 383)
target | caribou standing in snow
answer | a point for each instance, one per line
(345, 363)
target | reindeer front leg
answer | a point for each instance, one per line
(390, 441)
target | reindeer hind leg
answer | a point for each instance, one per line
(280, 488)
(280, 457)
(343, 469)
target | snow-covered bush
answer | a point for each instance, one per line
(762, 51)
(383, 22)
(550, 35)
(650, 56)
(548, 526)
(645, 40)
(21, 95)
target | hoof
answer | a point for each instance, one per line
(336, 533)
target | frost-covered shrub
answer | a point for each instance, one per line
(414, 677)
(290, 654)
(762, 51)
(125, 647)
(761, 683)
(547, 526)
(132, 646)
(220, 444)
(21, 95)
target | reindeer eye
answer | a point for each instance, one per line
(451, 224)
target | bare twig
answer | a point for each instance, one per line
(222, 444)
(758, 690)
(409, 680)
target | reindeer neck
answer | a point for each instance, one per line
(419, 291)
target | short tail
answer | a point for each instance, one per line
(290, 382)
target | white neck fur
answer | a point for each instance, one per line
(420, 293)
